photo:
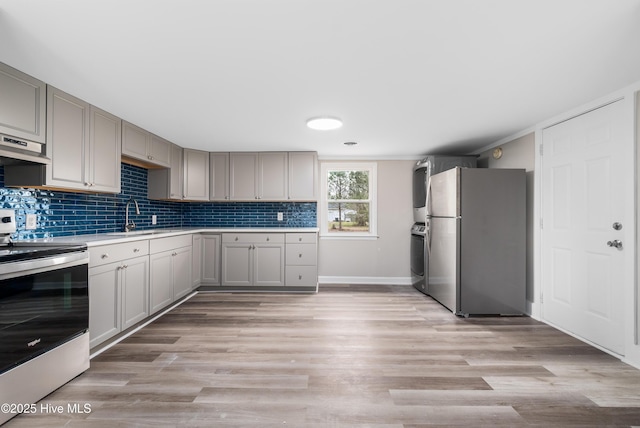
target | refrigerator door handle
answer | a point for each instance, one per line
(427, 237)
(428, 188)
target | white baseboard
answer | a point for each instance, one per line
(373, 280)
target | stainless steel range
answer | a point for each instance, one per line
(44, 316)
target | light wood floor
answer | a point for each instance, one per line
(349, 356)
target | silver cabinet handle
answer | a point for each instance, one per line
(136, 250)
(104, 256)
(299, 276)
(300, 255)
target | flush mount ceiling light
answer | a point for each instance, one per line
(324, 123)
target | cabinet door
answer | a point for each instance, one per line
(135, 141)
(135, 291)
(272, 176)
(161, 281)
(268, 264)
(182, 265)
(104, 151)
(196, 271)
(159, 151)
(175, 173)
(67, 141)
(196, 175)
(211, 259)
(237, 262)
(22, 105)
(219, 176)
(104, 303)
(303, 176)
(243, 170)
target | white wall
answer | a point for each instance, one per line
(376, 261)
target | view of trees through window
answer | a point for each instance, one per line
(348, 201)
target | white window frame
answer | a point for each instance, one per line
(372, 168)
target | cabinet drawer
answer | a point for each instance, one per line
(301, 275)
(104, 254)
(301, 254)
(169, 243)
(272, 238)
(301, 238)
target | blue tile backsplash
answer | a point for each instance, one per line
(66, 213)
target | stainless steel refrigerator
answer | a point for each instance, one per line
(476, 240)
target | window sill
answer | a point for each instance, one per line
(349, 237)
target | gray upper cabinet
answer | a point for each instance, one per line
(258, 176)
(243, 172)
(166, 183)
(105, 132)
(196, 175)
(143, 146)
(273, 176)
(303, 176)
(67, 143)
(22, 105)
(219, 176)
(83, 143)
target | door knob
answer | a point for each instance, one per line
(617, 226)
(615, 243)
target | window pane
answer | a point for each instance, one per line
(348, 185)
(348, 217)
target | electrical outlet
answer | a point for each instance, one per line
(32, 219)
(154, 219)
(280, 216)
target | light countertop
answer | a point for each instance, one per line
(118, 237)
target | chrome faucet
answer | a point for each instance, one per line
(128, 227)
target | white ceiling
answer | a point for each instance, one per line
(408, 77)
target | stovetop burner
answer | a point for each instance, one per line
(17, 251)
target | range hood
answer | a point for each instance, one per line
(16, 151)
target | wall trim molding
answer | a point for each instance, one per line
(372, 280)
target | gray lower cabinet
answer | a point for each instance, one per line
(253, 259)
(211, 259)
(170, 266)
(302, 259)
(22, 105)
(118, 288)
(196, 271)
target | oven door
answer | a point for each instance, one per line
(418, 274)
(43, 303)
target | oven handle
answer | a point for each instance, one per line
(29, 267)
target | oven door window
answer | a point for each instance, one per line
(417, 255)
(40, 311)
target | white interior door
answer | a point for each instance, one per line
(584, 191)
